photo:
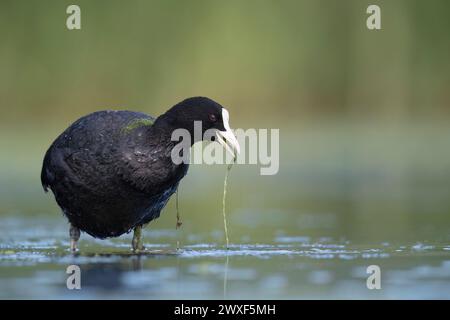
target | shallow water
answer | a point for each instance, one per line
(34, 256)
(343, 200)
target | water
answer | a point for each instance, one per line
(348, 200)
(34, 256)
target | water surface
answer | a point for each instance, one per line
(344, 199)
(34, 256)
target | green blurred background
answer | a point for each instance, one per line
(363, 115)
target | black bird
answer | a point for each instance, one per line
(112, 171)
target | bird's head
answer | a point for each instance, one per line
(211, 115)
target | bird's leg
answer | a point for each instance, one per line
(179, 223)
(136, 243)
(74, 233)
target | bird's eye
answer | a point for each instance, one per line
(212, 118)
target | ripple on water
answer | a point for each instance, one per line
(236, 252)
(285, 239)
(41, 251)
(24, 241)
(421, 247)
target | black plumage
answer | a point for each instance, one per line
(111, 171)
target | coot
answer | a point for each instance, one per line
(112, 171)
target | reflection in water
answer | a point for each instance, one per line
(110, 276)
(103, 276)
(137, 263)
(225, 278)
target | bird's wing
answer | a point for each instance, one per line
(87, 153)
(148, 168)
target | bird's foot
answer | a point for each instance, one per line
(73, 246)
(137, 243)
(74, 233)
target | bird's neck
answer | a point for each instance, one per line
(167, 124)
